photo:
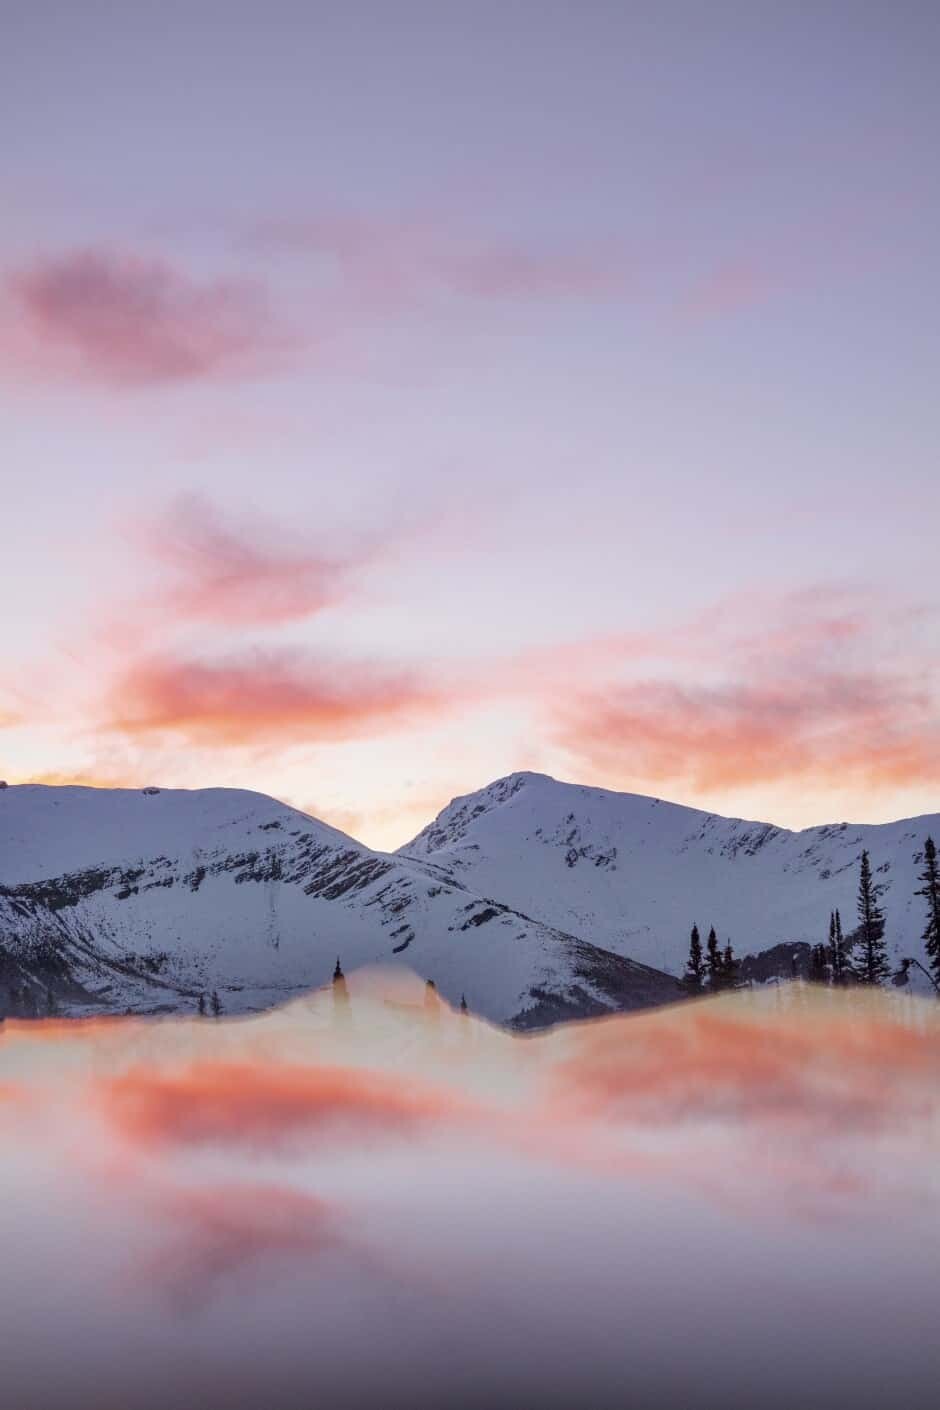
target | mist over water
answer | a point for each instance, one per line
(372, 1200)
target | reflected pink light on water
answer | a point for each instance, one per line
(348, 1200)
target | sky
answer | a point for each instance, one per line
(394, 396)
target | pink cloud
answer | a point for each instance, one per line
(241, 575)
(127, 320)
(408, 262)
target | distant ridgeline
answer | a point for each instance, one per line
(534, 901)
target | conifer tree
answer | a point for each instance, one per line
(713, 961)
(930, 890)
(694, 977)
(729, 968)
(837, 951)
(216, 1003)
(818, 966)
(464, 1007)
(871, 965)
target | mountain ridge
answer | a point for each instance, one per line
(143, 899)
(537, 899)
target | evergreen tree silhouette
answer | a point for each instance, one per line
(464, 1008)
(694, 977)
(342, 1011)
(837, 955)
(730, 969)
(713, 961)
(871, 965)
(930, 890)
(216, 1003)
(818, 962)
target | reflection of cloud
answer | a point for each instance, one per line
(246, 1105)
(191, 1236)
(850, 1073)
(214, 1231)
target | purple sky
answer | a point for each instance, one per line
(395, 395)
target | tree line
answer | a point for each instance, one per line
(841, 960)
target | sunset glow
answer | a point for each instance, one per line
(360, 458)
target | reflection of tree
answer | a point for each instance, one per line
(341, 1005)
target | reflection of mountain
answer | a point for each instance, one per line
(539, 900)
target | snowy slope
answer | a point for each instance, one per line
(539, 900)
(632, 873)
(143, 899)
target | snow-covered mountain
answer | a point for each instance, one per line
(633, 873)
(144, 899)
(538, 900)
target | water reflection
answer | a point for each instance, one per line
(367, 1199)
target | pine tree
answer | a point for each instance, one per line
(871, 964)
(818, 966)
(832, 944)
(216, 1003)
(729, 968)
(839, 957)
(713, 961)
(694, 977)
(930, 890)
(464, 1007)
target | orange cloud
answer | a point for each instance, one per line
(836, 728)
(264, 696)
(759, 690)
(79, 778)
(122, 319)
(244, 1105)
